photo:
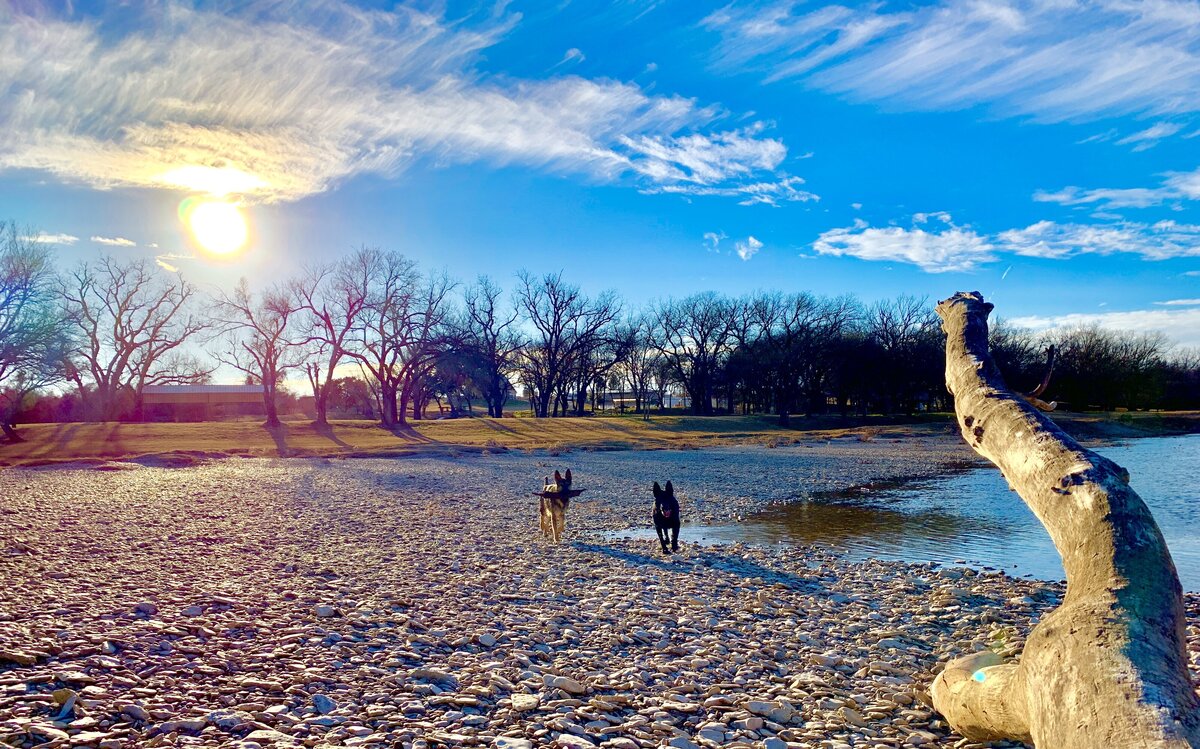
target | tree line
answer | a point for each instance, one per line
(105, 330)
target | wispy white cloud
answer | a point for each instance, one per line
(44, 238)
(114, 241)
(284, 100)
(786, 190)
(1047, 59)
(1192, 273)
(1179, 303)
(574, 54)
(712, 240)
(1132, 197)
(1180, 325)
(1149, 138)
(704, 159)
(748, 248)
(1175, 186)
(167, 260)
(941, 248)
(936, 245)
(1159, 241)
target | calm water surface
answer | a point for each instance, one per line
(974, 518)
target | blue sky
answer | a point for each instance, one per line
(1045, 153)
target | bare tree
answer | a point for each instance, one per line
(565, 325)
(636, 368)
(1109, 666)
(905, 334)
(377, 339)
(597, 355)
(333, 298)
(431, 336)
(401, 328)
(490, 342)
(132, 323)
(694, 335)
(257, 339)
(34, 341)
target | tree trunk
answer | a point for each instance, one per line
(1108, 667)
(269, 407)
(9, 429)
(321, 403)
(387, 406)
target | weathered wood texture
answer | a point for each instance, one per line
(1107, 668)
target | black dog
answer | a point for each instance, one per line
(666, 516)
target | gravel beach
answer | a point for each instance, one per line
(413, 603)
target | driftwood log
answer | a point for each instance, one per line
(1107, 668)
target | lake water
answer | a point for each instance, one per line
(973, 517)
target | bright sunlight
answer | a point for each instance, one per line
(217, 226)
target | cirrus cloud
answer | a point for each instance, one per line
(936, 244)
(114, 241)
(1180, 325)
(1050, 60)
(279, 101)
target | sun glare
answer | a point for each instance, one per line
(217, 226)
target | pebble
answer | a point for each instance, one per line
(323, 704)
(413, 604)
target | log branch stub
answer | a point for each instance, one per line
(1108, 667)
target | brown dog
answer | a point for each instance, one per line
(552, 507)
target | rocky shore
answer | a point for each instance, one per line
(411, 603)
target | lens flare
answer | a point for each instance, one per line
(217, 226)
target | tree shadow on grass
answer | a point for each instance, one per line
(279, 435)
(326, 431)
(492, 423)
(408, 432)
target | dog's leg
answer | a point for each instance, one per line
(662, 536)
(560, 527)
(675, 537)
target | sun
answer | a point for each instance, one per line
(217, 226)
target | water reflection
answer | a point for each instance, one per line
(974, 518)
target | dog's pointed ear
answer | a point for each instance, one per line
(657, 490)
(557, 477)
(670, 490)
(568, 475)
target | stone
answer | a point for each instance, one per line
(525, 702)
(137, 712)
(19, 657)
(269, 736)
(323, 704)
(565, 683)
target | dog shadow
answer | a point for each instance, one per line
(736, 565)
(733, 565)
(629, 557)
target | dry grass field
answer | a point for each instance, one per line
(182, 443)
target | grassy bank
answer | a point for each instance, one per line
(183, 443)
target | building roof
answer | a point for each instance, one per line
(199, 389)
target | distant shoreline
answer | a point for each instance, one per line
(109, 444)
